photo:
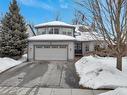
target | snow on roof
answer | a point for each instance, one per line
(50, 37)
(54, 23)
(88, 36)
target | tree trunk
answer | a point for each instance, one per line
(119, 62)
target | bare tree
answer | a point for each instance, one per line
(79, 17)
(110, 20)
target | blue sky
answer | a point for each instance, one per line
(39, 11)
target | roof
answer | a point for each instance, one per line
(54, 23)
(52, 37)
(89, 36)
(86, 35)
(32, 29)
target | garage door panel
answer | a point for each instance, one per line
(51, 53)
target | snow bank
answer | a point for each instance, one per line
(6, 63)
(118, 91)
(100, 72)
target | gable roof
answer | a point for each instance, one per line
(54, 23)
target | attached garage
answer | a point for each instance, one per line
(51, 47)
(51, 52)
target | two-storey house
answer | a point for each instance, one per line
(57, 40)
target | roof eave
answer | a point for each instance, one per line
(49, 40)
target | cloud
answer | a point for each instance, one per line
(36, 3)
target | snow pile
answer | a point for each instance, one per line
(118, 91)
(6, 63)
(51, 37)
(99, 72)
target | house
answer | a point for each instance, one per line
(30, 30)
(54, 41)
(58, 40)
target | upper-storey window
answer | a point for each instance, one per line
(56, 30)
(41, 31)
(44, 31)
(50, 30)
(64, 32)
(67, 31)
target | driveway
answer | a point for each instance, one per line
(55, 74)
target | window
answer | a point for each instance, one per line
(56, 31)
(55, 46)
(69, 33)
(87, 47)
(64, 32)
(41, 31)
(39, 46)
(50, 30)
(46, 46)
(44, 31)
(78, 46)
(62, 46)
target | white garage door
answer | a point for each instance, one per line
(51, 52)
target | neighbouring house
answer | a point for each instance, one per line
(30, 30)
(58, 40)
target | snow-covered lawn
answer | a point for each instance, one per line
(6, 63)
(118, 91)
(100, 72)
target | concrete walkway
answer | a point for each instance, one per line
(47, 91)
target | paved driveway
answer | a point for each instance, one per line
(56, 74)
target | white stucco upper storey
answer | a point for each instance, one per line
(54, 23)
(52, 37)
